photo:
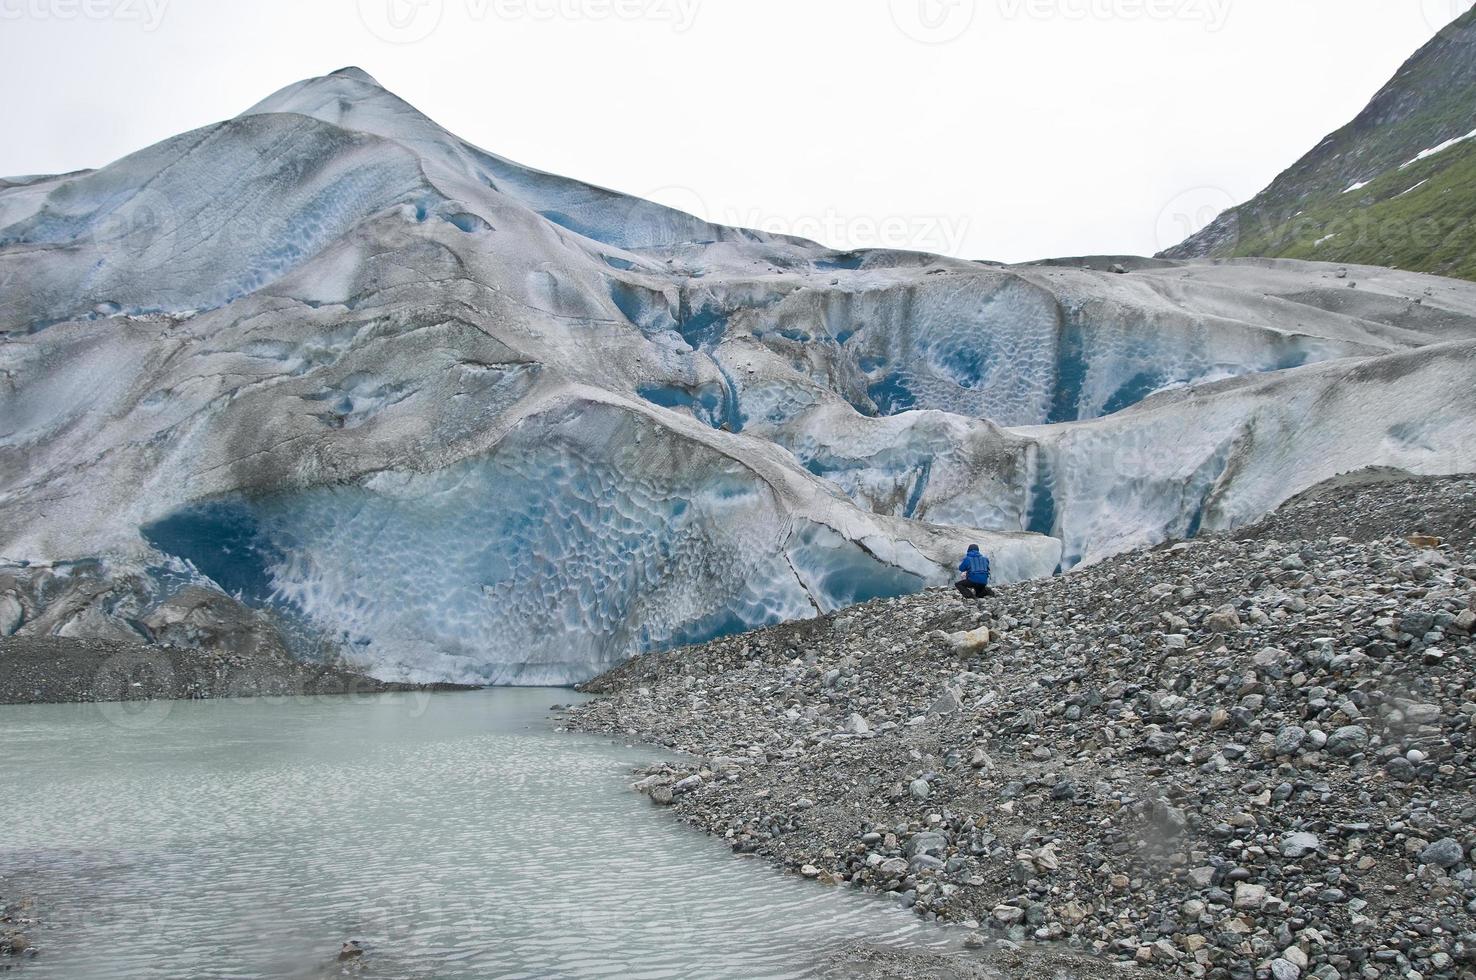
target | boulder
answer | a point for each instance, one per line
(1349, 740)
(1161, 743)
(926, 843)
(972, 641)
(1289, 740)
(1444, 854)
(1300, 845)
(1422, 714)
(1223, 620)
(1284, 969)
(727, 765)
(1249, 896)
(948, 703)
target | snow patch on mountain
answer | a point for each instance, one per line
(1432, 151)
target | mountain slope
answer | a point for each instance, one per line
(1395, 187)
(474, 422)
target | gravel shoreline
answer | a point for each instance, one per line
(1239, 757)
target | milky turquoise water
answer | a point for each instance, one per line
(454, 835)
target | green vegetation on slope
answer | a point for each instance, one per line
(1422, 218)
(1412, 216)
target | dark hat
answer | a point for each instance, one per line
(973, 547)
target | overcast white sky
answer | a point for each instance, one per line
(1004, 129)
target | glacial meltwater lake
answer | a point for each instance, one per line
(454, 835)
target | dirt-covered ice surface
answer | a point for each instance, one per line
(1244, 756)
(95, 632)
(60, 670)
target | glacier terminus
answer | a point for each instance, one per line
(468, 421)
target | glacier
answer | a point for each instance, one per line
(465, 420)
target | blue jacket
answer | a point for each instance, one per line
(976, 567)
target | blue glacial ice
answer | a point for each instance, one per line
(583, 538)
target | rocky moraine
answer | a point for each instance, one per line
(1243, 756)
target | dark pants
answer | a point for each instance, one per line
(973, 590)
